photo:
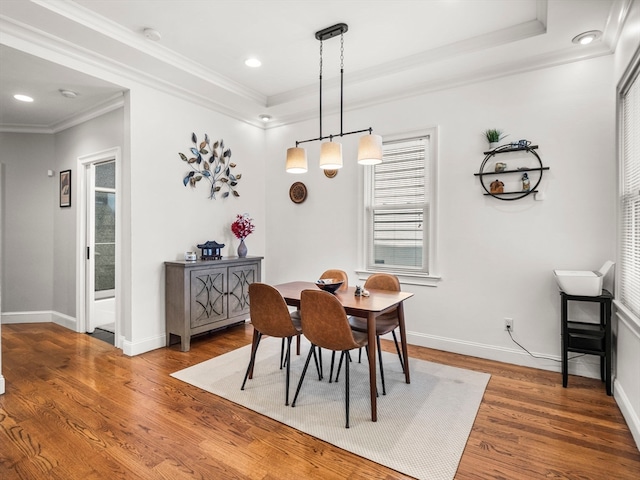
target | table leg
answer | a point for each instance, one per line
(403, 341)
(373, 385)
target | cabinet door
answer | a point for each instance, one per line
(240, 278)
(208, 296)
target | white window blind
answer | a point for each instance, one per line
(398, 208)
(629, 261)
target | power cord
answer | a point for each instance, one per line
(538, 356)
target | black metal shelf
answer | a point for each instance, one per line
(527, 192)
(502, 149)
(507, 148)
(520, 170)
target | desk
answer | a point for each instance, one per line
(378, 302)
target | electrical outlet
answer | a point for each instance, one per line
(508, 324)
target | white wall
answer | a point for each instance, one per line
(29, 196)
(168, 218)
(495, 258)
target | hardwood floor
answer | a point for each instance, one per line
(76, 408)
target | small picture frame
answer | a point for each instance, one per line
(65, 188)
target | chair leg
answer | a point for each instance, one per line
(384, 390)
(393, 332)
(346, 385)
(252, 360)
(360, 355)
(333, 359)
(312, 351)
(288, 360)
(282, 353)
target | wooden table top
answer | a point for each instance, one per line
(378, 301)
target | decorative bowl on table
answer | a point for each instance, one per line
(329, 284)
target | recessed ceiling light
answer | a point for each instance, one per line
(264, 117)
(152, 34)
(68, 93)
(586, 38)
(23, 98)
(252, 62)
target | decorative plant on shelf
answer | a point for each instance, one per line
(242, 227)
(494, 135)
(216, 168)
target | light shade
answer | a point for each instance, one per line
(330, 155)
(296, 160)
(370, 150)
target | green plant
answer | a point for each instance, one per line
(494, 135)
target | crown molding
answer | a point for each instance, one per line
(100, 24)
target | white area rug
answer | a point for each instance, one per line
(422, 427)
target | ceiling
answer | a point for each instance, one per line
(392, 49)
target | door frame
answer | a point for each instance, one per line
(84, 162)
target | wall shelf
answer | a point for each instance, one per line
(505, 149)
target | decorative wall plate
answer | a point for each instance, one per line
(298, 192)
(330, 173)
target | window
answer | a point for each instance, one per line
(629, 219)
(400, 209)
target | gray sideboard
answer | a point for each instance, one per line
(207, 294)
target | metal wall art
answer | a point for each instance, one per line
(213, 163)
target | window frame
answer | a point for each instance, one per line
(628, 79)
(428, 275)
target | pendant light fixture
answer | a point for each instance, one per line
(370, 146)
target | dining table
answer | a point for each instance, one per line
(369, 307)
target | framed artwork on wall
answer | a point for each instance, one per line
(65, 188)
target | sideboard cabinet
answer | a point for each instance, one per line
(207, 294)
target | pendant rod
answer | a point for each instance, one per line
(370, 130)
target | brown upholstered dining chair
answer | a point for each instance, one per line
(325, 324)
(385, 323)
(270, 316)
(334, 274)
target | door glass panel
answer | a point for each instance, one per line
(105, 228)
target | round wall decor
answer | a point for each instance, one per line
(298, 192)
(330, 173)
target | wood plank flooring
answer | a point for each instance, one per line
(77, 408)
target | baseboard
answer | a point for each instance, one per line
(64, 320)
(27, 317)
(628, 411)
(46, 316)
(144, 345)
(587, 366)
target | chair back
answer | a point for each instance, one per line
(324, 321)
(337, 275)
(269, 312)
(384, 281)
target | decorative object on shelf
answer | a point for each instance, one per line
(500, 167)
(496, 186)
(216, 169)
(488, 169)
(298, 192)
(493, 136)
(65, 188)
(211, 250)
(330, 173)
(242, 227)
(520, 144)
(190, 256)
(370, 146)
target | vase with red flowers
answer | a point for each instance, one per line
(242, 227)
